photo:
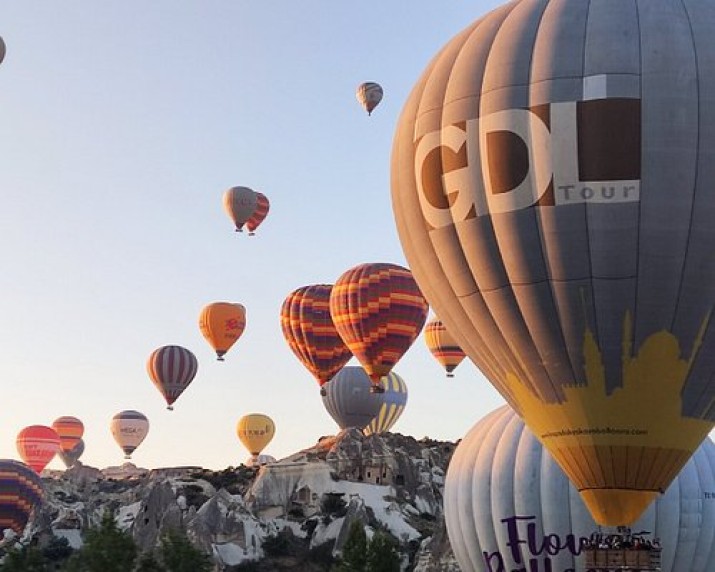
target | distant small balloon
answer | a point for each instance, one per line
(129, 428)
(259, 214)
(369, 94)
(172, 369)
(222, 323)
(70, 429)
(37, 445)
(443, 346)
(2, 50)
(255, 431)
(70, 458)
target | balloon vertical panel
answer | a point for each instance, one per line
(549, 190)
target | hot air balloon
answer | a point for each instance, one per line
(129, 428)
(222, 323)
(70, 429)
(369, 94)
(552, 189)
(70, 458)
(310, 332)
(255, 431)
(443, 346)
(2, 50)
(171, 368)
(37, 445)
(20, 492)
(350, 402)
(394, 400)
(501, 481)
(259, 213)
(378, 311)
(240, 203)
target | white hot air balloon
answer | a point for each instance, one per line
(508, 506)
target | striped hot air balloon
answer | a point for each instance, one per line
(378, 310)
(393, 404)
(369, 94)
(240, 204)
(37, 445)
(2, 50)
(311, 335)
(20, 492)
(222, 323)
(70, 429)
(259, 213)
(443, 346)
(171, 368)
(129, 428)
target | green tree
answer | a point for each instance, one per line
(106, 549)
(355, 549)
(149, 563)
(382, 554)
(179, 555)
(25, 559)
(58, 549)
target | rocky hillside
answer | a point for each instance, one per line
(292, 514)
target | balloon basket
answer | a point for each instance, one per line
(170, 407)
(377, 389)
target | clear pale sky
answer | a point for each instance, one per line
(122, 125)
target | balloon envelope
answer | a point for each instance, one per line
(69, 458)
(221, 324)
(239, 204)
(172, 369)
(443, 346)
(129, 428)
(394, 400)
(552, 188)
(20, 492)
(70, 429)
(255, 431)
(2, 50)
(37, 445)
(369, 94)
(378, 311)
(311, 335)
(259, 214)
(500, 478)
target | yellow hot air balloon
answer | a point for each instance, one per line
(255, 431)
(552, 184)
(222, 323)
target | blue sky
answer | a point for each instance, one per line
(123, 123)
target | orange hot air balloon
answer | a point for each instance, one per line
(37, 445)
(20, 492)
(311, 335)
(222, 323)
(70, 429)
(255, 431)
(259, 213)
(172, 369)
(378, 310)
(443, 346)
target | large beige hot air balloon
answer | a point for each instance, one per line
(255, 431)
(222, 323)
(552, 183)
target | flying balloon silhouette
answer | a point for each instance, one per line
(378, 311)
(2, 50)
(129, 428)
(255, 431)
(501, 481)
(222, 323)
(20, 492)
(369, 95)
(311, 335)
(70, 429)
(443, 346)
(37, 445)
(240, 203)
(70, 458)
(172, 369)
(552, 189)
